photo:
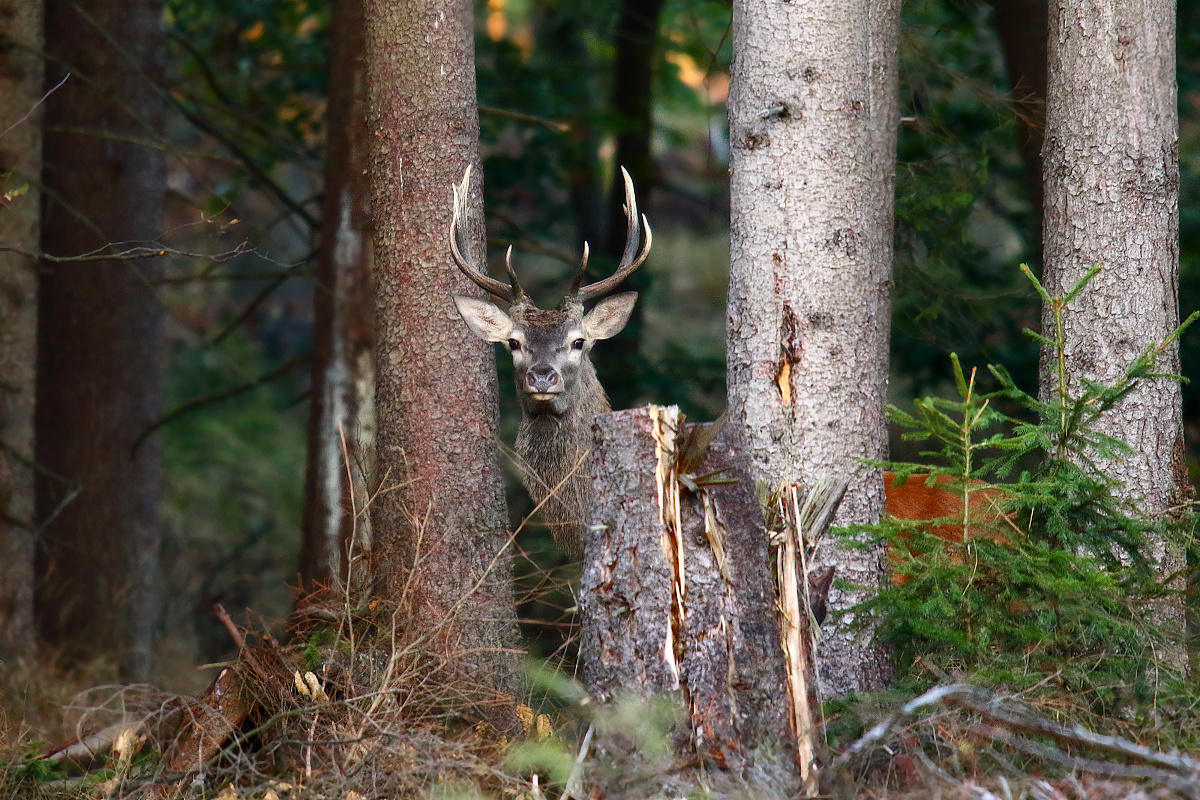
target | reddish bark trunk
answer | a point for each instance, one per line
(439, 526)
(100, 335)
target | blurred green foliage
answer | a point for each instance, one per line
(963, 214)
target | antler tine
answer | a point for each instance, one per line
(512, 274)
(628, 260)
(580, 270)
(501, 290)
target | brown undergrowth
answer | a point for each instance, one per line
(357, 706)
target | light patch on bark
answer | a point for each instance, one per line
(665, 427)
(813, 112)
(347, 250)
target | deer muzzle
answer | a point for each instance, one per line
(543, 381)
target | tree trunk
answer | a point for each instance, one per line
(676, 595)
(20, 155)
(335, 492)
(636, 43)
(1112, 199)
(811, 181)
(100, 335)
(1021, 26)
(559, 40)
(439, 526)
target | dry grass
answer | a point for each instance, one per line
(383, 718)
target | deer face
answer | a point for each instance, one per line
(549, 348)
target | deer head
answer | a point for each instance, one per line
(550, 348)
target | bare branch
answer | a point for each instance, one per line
(520, 116)
(135, 253)
(199, 402)
(34, 107)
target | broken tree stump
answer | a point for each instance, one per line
(677, 595)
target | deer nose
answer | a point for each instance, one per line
(541, 379)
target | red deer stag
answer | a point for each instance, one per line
(915, 500)
(559, 393)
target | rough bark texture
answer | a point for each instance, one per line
(813, 112)
(1112, 199)
(440, 538)
(666, 613)
(343, 379)
(1021, 26)
(20, 155)
(100, 335)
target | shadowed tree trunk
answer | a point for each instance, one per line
(560, 40)
(636, 43)
(20, 155)
(1021, 26)
(343, 321)
(1112, 199)
(100, 335)
(811, 181)
(440, 526)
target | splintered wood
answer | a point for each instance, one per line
(676, 597)
(805, 517)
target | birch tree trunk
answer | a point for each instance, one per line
(813, 111)
(440, 525)
(341, 412)
(1112, 199)
(20, 155)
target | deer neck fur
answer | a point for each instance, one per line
(553, 450)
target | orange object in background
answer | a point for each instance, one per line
(914, 500)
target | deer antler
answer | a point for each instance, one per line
(628, 261)
(503, 291)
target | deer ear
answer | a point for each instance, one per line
(609, 316)
(484, 319)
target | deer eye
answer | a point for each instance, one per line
(577, 344)
(514, 345)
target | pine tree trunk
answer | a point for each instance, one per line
(439, 526)
(1112, 199)
(559, 39)
(676, 597)
(636, 43)
(20, 155)
(335, 523)
(100, 355)
(813, 112)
